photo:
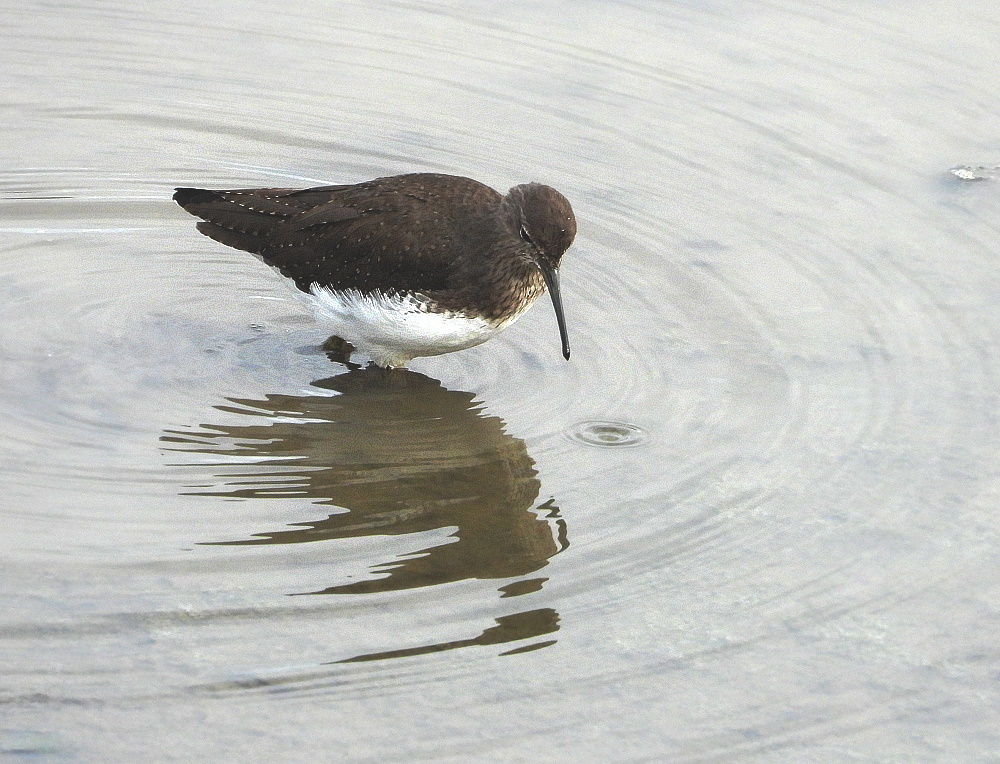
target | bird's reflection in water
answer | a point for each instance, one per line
(396, 453)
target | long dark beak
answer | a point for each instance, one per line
(551, 276)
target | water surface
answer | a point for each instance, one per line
(753, 518)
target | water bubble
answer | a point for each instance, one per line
(612, 434)
(975, 172)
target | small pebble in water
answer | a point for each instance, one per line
(607, 434)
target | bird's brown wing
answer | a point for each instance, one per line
(375, 235)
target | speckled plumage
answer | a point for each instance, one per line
(434, 244)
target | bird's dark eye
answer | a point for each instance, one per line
(525, 236)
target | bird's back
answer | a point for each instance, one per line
(371, 236)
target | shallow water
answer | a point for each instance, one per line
(753, 518)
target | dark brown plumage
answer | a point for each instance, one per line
(452, 243)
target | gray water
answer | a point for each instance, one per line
(755, 517)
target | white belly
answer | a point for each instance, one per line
(393, 329)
